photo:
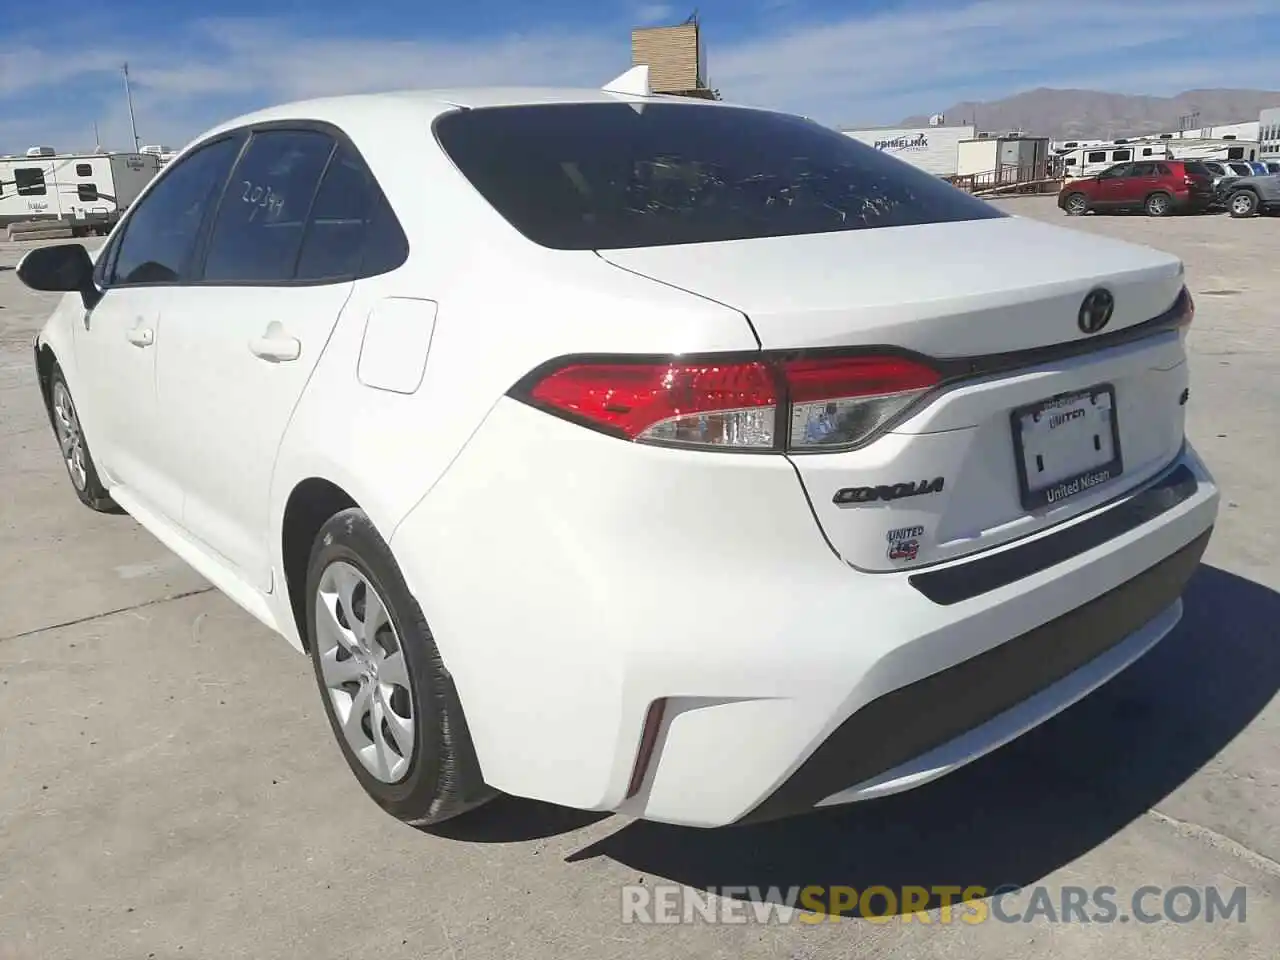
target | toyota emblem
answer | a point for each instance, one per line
(1095, 312)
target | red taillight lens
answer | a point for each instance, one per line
(728, 404)
(830, 402)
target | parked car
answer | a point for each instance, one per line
(595, 451)
(1250, 196)
(1160, 187)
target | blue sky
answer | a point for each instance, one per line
(839, 61)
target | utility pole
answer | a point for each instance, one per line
(128, 94)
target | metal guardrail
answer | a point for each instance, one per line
(1038, 179)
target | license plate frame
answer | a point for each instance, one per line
(1076, 483)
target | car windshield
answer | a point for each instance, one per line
(618, 175)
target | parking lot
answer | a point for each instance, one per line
(169, 786)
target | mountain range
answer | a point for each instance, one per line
(1089, 114)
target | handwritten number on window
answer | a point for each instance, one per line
(262, 198)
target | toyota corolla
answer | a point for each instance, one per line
(635, 453)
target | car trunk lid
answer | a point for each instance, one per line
(970, 468)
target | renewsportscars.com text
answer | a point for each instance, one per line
(674, 904)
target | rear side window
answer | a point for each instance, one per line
(350, 230)
(258, 232)
(614, 175)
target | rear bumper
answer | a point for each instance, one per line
(887, 745)
(565, 602)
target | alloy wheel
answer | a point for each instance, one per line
(364, 671)
(66, 424)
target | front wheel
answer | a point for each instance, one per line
(390, 701)
(75, 449)
(1077, 205)
(1243, 203)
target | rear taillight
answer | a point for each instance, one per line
(1184, 310)
(764, 404)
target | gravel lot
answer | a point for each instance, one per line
(169, 788)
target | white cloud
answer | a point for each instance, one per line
(917, 58)
(648, 14)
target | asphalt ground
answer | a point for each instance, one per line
(169, 787)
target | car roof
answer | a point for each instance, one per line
(399, 105)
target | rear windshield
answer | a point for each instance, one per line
(603, 176)
(1197, 169)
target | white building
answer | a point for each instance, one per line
(1004, 159)
(90, 190)
(934, 149)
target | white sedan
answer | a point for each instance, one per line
(631, 452)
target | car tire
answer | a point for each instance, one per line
(74, 448)
(1076, 205)
(1242, 203)
(391, 702)
(1158, 205)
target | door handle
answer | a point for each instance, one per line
(274, 346)
(141, 336)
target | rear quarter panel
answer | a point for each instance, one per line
(504, 307)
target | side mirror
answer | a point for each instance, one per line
(62, 268)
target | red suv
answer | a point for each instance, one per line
(1160, 187)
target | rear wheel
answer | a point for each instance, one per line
(1159, 205)
(75, 449)
(389, 699)
(1243, 203)
(1077, 205)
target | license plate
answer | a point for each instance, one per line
(1066, 445)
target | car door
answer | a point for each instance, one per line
(116, 342)
(241, 343)
(1111, 187)
(1142, 180)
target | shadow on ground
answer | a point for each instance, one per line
(1014, 816)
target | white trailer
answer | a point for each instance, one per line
(88, 191)
(934, 149)
(1092, 160)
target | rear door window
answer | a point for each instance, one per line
(618, 175)
(258, 232)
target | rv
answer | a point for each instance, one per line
(89, 191)
(1089, 161)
